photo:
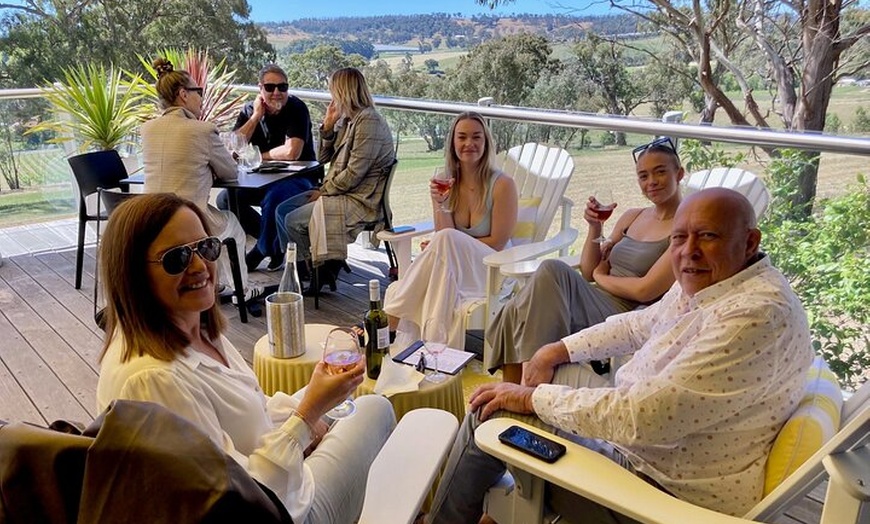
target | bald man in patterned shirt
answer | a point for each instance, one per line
(718, 366)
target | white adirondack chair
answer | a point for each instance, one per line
(541, 174)
(740, 180)
(845, 458)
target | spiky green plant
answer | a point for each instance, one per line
(94, 105)
(219, 105)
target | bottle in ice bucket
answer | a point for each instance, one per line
(377, 331)
(285, 312)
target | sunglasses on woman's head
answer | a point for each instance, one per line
(661, 143)
(283, 87)
(175, 260)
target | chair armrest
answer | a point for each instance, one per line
(530, 251)
(420, 228)
(401, 243)
(598, 479)
(402, 474)
(524, 269)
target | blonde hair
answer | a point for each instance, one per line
(131, 305)
(484, 169)
(350, 91)
(169, 82)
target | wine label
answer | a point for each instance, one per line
(384, 337)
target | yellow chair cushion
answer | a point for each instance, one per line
(816, 420)
(527, 214)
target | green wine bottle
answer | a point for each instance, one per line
(377, 331)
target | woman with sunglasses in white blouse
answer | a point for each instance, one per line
(164, 344)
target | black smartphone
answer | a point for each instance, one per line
(403, 229)
(532, 443)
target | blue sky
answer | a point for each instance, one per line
(278, 10)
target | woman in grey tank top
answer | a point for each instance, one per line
(629, 269)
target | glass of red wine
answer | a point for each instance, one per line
(340, 353)
(603, 207)
(443, 182)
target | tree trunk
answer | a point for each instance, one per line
(821, 30)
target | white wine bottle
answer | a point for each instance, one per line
(378, 332)
(290, 278)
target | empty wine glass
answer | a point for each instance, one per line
(237, 142)
(443, 181)
(603, 207)
(341, 352)
(435, 340)
(251, 157)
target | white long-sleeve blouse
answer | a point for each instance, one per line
(262, 434)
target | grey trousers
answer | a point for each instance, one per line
(555, 302)
(470, 471)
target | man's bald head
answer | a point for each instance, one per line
(714, 237)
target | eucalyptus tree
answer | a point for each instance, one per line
(506, 69)
(804, 44)
(38, 38)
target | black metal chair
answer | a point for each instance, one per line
(100, 169)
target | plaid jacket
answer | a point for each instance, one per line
(360, 155)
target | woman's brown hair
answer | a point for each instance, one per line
(169, 82)
(130, 303)
(484, 168)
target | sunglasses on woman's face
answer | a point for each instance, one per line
(283, 87)
(197, 90)
(175, 260)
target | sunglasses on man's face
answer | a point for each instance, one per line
(661, 143)
(176, 260)
(283, 87)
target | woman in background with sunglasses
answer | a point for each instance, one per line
(630, 268)
(183, 154)
(164, 344)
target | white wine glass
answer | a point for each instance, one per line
(443, 180)
(604, 206)
(435, 340)
(341, 352)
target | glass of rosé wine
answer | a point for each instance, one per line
(340, 353)
(604, 206)
(443, 182)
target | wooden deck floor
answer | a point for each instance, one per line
(49, 342)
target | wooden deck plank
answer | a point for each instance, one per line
(15, 404)
(38, 381)
(65, 309)
(35, 315)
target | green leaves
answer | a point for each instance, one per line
(826, 257)
(94, 105)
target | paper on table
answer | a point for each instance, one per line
(395, 378)
(450, 360)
